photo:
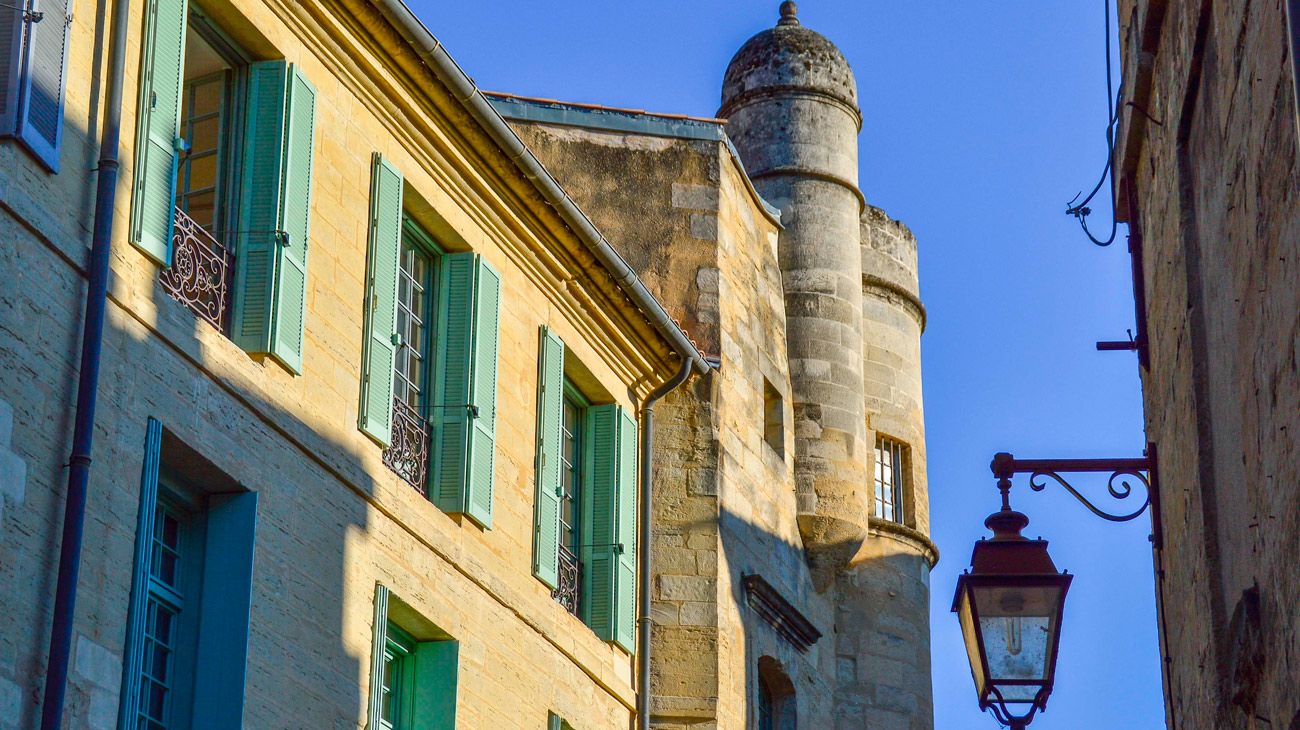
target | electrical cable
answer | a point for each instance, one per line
(1081, 211)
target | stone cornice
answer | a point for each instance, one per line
(371, 61)
(786, 92)
(907, 535)
(913, 302)
(779, 613)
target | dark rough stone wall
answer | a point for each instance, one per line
(1214, 180)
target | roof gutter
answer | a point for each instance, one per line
(431, 50)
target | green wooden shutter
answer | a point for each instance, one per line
(137, 605)
(162, 66)
(381, 301)
(271, 260)
(40, 120)
(610, 510)
(553, 721)
(450, 415)
(435, 684)
(465, 399)
(225, 605)
(378, 644)
(288, 325)
(549, 492)
(625, 573)
(483, 394)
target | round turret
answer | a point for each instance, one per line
(790, 101)
(788, 56)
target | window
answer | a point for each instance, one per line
(212, 82)
(222, 180)
(572, 425)
(413, 673)
(408, 454)
(773, 418)
(33, 62)
(187, 640)
(888, 477)
(776, 707)
(175, 562)
(555, 722)
(585, 508)
(423, 306)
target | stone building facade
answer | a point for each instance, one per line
(790, 548)
(1208, 174)
(293, 548)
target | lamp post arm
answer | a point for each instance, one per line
(1123, 472)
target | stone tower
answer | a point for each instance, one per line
(854, 320)
(792, 108)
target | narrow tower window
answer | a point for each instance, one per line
(888, 477)
(773, 418)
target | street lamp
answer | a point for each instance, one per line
(1011, 601)
(1010, 604)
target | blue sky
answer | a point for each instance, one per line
(981, 120)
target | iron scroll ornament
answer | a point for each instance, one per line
(1123, 472)
(1117, 485)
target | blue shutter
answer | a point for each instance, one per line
(549, 492)
(40, 116)
(156, 157)
(12, 28)
(381, 300)
(465, 396)
(225, 606)
(610, 510)
(133, 654)
(271, 260)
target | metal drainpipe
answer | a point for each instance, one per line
(645, 517)
(92, 340)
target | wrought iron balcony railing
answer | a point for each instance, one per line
(199, 276)
(569, 589)
(408, 453)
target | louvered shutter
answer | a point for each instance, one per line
(159, 113)
(549, 492)
(271, 260)
(12, 28)
(137, 605)
(40, 117)
(465, 396)
(600, 541)
(378, 645)
(381, 300)
(483, 393)
(610, 510)
(625, 572)
(450, 415)
(288, 325)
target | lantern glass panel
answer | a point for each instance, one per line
(972, 638)
(1018, 625)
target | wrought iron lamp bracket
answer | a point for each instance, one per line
(1120, 484)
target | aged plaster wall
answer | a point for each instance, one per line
(333, 520)
(1214, 171)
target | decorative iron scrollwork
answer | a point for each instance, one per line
(408, 452)
(199, 276)
(1118, 486)
(569, 588)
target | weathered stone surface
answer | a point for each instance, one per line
(1208, 153)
